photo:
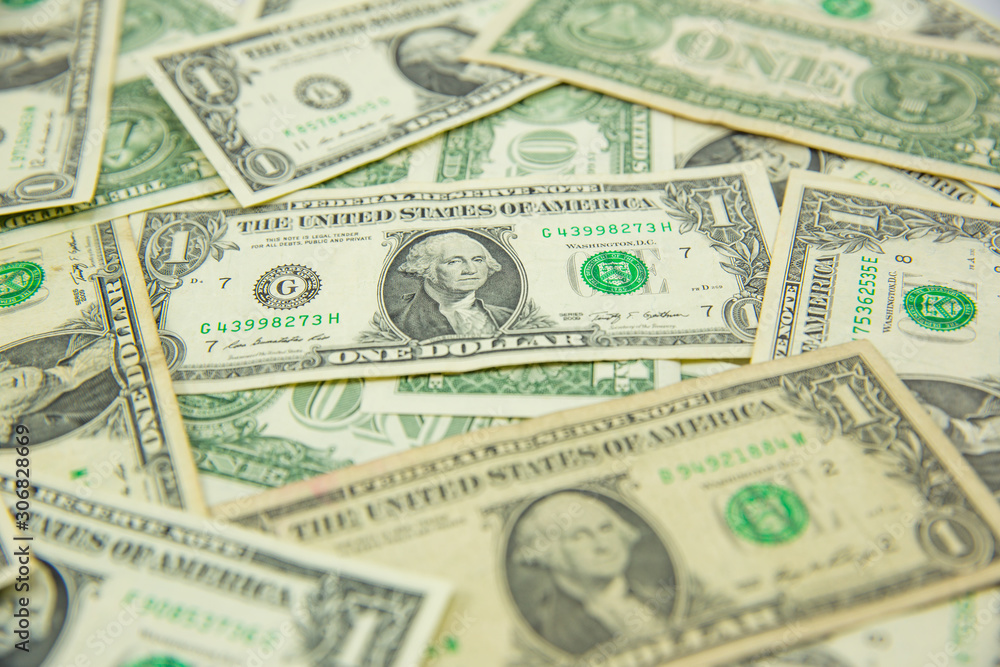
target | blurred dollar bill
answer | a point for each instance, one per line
(247, 442)
(55, 86)
(8, 550)
(265, 106)
(149, 160)
(149, 26)
(916, 276)
(83, 378)
(103, 566)
(916, 103)
(698, 144)
(563, 130)
(453, 279)
(519, 391)
(946, 19)
(701, 521)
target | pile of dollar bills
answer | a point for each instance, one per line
(514, 333)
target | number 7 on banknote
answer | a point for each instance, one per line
(460, 276)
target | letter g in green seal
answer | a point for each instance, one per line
(614, 272)
(767, 514)
(18, 282)
(939, 308)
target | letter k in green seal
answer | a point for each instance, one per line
(939, 308)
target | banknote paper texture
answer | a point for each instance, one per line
(920, 104)
(149, 160)
(55, 88)
(917, 277)
(254, 599)
(8, 547)
(364, 283)
(698, 145)
(247, 442)
(932, 18)
(519, 391)
(293, 102)
(84, 379)
(692, 523)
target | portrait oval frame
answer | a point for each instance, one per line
(651, 546)
(103, 389)
(506, 256)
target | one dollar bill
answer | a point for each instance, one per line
(204, 585)
(84, 384)
(917, 277)
(149, 160)
(916, 103)
(447, 278)
(289, 103)
(694, 523)
(56, 71)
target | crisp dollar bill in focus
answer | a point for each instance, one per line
(453, 277)
(206, 585)
(695, 523)
(916, 276)
(920, 104)
(58, 59)
(289, 103)
(83, 378)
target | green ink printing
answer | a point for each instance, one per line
(767, 514)
(614, 272)
(939, 308)
(18, 282)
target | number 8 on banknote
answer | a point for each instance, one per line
(918, 278)
(459, 276)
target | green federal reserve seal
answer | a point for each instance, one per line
(18, 282)
(614, 272)
(939, 308)
(847, 9)
(157, 661)
(766, 514)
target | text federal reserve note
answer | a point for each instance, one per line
(693, 523)
(445, 278)
(292, 102)
(921, 104)
(83, 379)
(58, 59)
(916, 276)
(251, 599)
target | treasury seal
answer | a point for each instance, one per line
(286, 287)
(19, 281)
(614, 272)
(322, 92)
(939, 308)
(766, 514)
